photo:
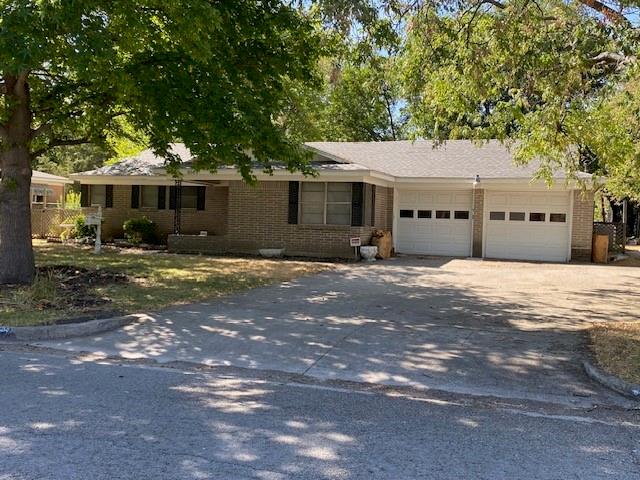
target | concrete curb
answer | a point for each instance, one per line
(59, 332)
(610, 381)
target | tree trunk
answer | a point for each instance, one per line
(16, 253)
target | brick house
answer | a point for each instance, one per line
(456, 200)
(47, 190)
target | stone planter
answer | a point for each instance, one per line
(271, 252)
(368, 253)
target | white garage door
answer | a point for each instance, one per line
(434, 222)
(527, 226)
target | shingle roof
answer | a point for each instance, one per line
(400, 159)
(43, 177)
(419, 159)
(145, 163)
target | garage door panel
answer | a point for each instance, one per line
(527, 240)
(431, 236)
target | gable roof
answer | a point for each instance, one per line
(422, 159)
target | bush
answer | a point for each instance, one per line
(140, 230)
(80, 228)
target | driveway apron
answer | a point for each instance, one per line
(467, 326)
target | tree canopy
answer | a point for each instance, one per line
(556, 80)
(211, 74)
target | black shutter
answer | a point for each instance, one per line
(357, 204)
(294, 192)
(373, 206)
(84, 195)
(172, 198)
(135, 196)
(108, 201)
(162, 198)
(201, 193)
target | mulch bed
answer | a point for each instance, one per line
(74, 286)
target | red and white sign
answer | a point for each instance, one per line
(355, 241)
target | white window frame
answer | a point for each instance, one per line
(325, 204)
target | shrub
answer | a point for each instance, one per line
(140, 230)
(80, 228)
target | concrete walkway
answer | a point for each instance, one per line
(480, 327)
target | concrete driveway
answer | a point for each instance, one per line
(468, 326)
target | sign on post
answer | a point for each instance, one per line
(355, 242)
(96, 219)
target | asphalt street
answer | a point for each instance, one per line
(67, 416)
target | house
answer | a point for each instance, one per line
(459, 199)
(47, 190)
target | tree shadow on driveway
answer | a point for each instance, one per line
(485, 328)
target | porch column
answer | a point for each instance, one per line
(478, 218)
(177, 213)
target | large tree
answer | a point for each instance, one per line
(556, 80)
(210, 73)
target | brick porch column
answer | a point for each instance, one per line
(478, 214)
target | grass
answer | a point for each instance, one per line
(616, 346)
(153, 280)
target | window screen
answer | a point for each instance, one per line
(98, 195)
(149, 196)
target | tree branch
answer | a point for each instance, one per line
(607, 11)
(41, 130)
(59, 143)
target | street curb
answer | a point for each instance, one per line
(60, 332)
(610, 381)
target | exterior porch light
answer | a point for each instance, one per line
(476, 182)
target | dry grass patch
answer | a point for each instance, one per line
(73, 282)
(616, 346)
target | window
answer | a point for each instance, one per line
(37, 198)
(558, 217)
(338, 203)
(98, 195)
(461, 214)
(424, 213)
(443, 214)
(406, 213)
(537, 217)
(189, 197)
(149, 196)
(516, 216)
(496, 216)
(325, 203)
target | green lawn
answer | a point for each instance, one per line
(128, 281)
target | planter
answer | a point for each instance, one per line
(271, 252)
(368, 253)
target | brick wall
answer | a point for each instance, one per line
(478, 217)
(213, 218)
(258, 218)
(582, 227)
